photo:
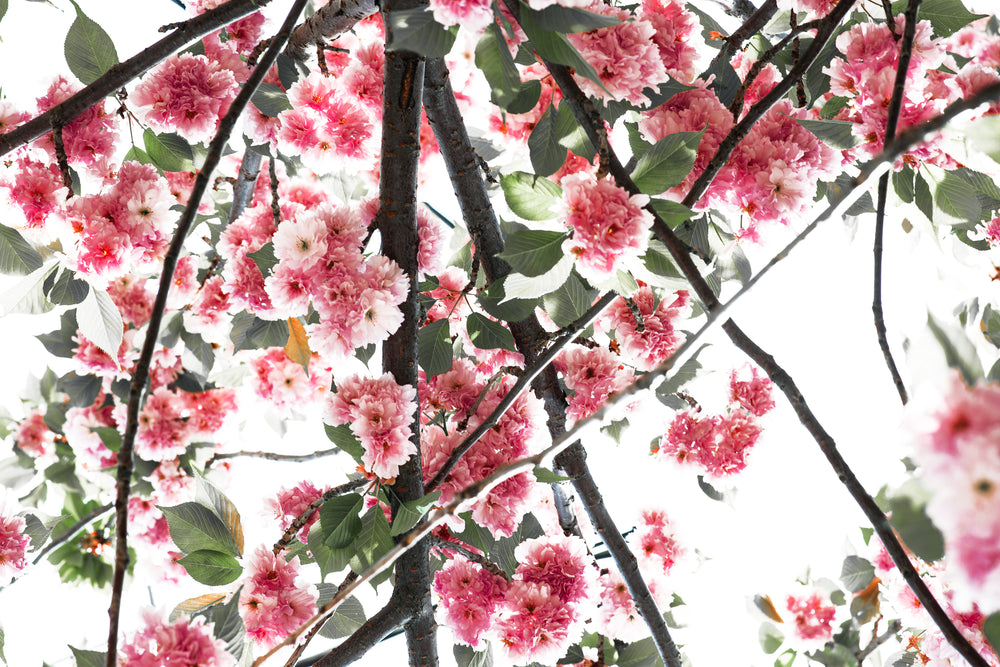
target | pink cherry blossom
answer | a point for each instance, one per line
(593, 375)
(290, 503)
(657, 548)
(470, 598)
(473, 15)
(273, 602)
(33, 437)
(560, 563)
(647, 344)
(812, 616)
(90, 138)
(182, 643)
(37, 189)
(754, 394)
(536, 626)
(13, 544)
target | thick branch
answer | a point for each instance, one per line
(329, 22)
(895, 105)
(397, 222)
(387, 619)
(122, 73)
(141, 375)
(246, 180)
(574, 462)
(750, 27)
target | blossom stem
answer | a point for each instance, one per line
(141, 375)
(122, 73)
(895, 106)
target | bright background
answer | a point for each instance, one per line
(787, 515)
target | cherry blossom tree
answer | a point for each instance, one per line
(241, 219)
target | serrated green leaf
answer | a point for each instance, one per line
(568, 303)
(168, 151)
(571, 134)
(434, 351)
(194, 527)
(642, 653)
(529, 196)
(270, 100)
(492, 300)
(329, 560)
(672, 213)
(109, 435)
(547, 154)
(343, 437)
(410, 512)
(348, 617)
(88, 658)
(416, 30)
(200, 348)
(89, 50)
(101, 323)
(922, 196)
(832, 107)
(340, 521)
(834, 133)
(533, 252)
(546, 476)
(228, 625)
(615, 429)
(82, 390)
(956, 198)
(62, 289)
(264, 258)
(678, 377)
(916, 529)
(959, 352)
(506, 88)
(212, 568)
(502, 550)
(466, 656)
(947, 16)
(902, 183)
(27, 296)
(667, 163)
(554, 46)
(572, 19)
(486, 334)
(373, 542)
(213, 498)
(17, 256)
(856, 573)
(249, 332)
(136, 154)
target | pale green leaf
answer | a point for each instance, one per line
(89, 50)
(100, 322)
(194, 527)
(17, 256)
(486, 334)
(416, 30)
(529, 196)
(667, 163)
(533, 252)
(434, 350)
(212, 568)
(410, 512)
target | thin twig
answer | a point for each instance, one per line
(141, 375)
(895, 105)
(471, 555)
(122, 73)
(303, 518)
(750, 27)
(894, 627)
(272, 456)
(72, 530)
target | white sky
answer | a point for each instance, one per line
(790, 513)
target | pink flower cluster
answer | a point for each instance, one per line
(956, 447)
(535, 616)
(37, 190)
(657, 550)
(284, 383)
(673, 25)
(452, 396)
(125, 226)
(592, 374)
(33, 437)
(379, 412)
(813, 615)
(90, 138)
(90, 451)
(720, 444)
(273, 603)
(13, 545)
(472, 15)
(290, 503)
(172, 420)
(181, 643)
(649, 343)
(187, 94)
(610, 228)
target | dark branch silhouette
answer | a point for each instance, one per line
(120, 74)
(895, 105)
(329, 21)
(141, 375)
(243, 187)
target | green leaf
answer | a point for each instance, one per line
(572, 19)
(832, 107)
(88, 49)
(946, 16)
(82, 390)
(264, 258)
(568, 303)
(250, 332)
(17, 256)
(270, 100)
(571, 134)
(492, 300)
(959, 353)
(856, 573)
(416, 30)
(27, 296)
(228, 624)
(667, 163)
(329, 560)
(88, 658)
(834, 133)
(489, 335)
(902, 183)
(672, 213)
(916, 529)
(60, 341)
(547, 154)
(770, 637)
(200, 348)
(991, 630)
(343, 437)
(348, 617)
(546, 476)
(434, 351)
(109, 435)
(958, 199)
(194, 527)
(615, 429)
(554, 46)
(340, 521)
(410, 512)
(3, 7)
(922, 196)
(373, 542)
(529, 196)
(100, 322)
(502, 551)
(708, 26)
(213, 498)
(642, 653)
(212, 568)
(506, 88)
(533, 252)
(678, 377)
(168, 151)
(466, 656)
(3, 12)
(62, 289)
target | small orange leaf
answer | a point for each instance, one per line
(192, 605)
(764, 603)
(297, 347)
(715, 34)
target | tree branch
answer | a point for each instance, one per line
(895, 105)
(271, 456)
(574, 462)
(894, 627)
(387, 619)
(243, 188)
(329, 21)
(141, 375)
(122, 73)
(750, 27)
(71, 531)
(303, 518)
